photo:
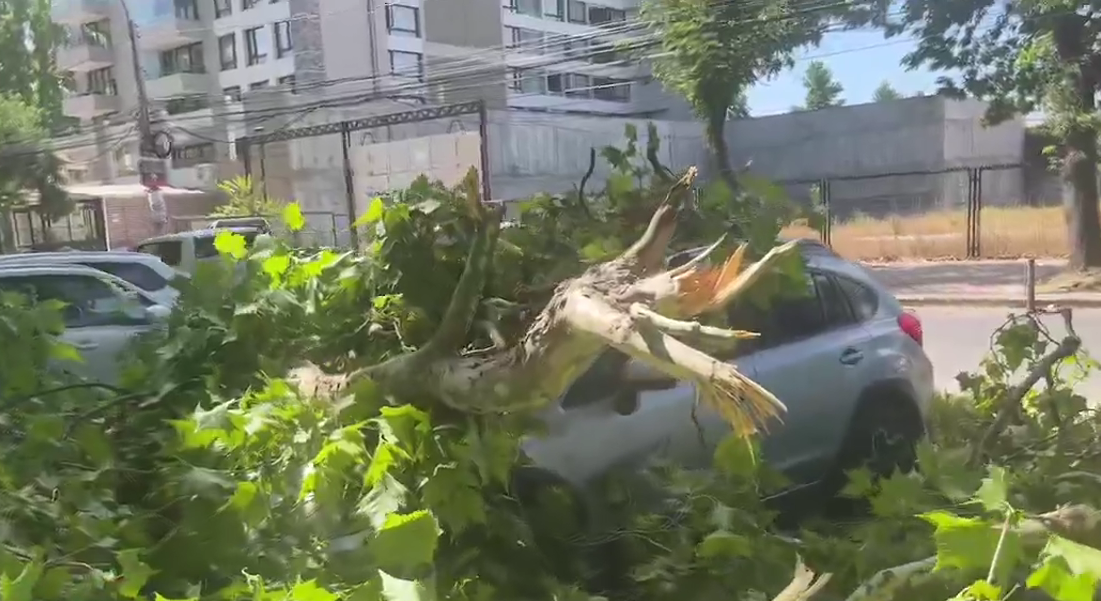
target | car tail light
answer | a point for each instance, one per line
(911, 326)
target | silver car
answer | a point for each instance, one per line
(846, 360)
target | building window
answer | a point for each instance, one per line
(555, 9)
(527, 81)
(403, 20)
(288, 82)
(526, 7)
(176, 106)
(185, 59)
(96, 33)
(556, 83)
(284, 44)
(579, 86)
(227, 49)
(257, 44)
(258, 85)
(223, 8)
(526, 40)
(186, 9)
(195, 154)
(599, 15)
(577, 12)
(407, 64)
(247, 4)
(232, 93)
(614, 90)
(102, 81)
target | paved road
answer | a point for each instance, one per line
(957, 338)
(1005, 278)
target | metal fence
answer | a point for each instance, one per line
(343, 165)
(963, 212)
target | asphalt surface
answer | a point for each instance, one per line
(957, 338)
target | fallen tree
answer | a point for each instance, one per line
(631, 303)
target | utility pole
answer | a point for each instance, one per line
(148, 163)
(151, 168)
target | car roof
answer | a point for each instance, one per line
(25, 270)
(80, 256)
(810, 248)
(205, 233)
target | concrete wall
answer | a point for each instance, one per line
(857, 148)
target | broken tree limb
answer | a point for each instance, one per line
(629, 303)
(804, 584)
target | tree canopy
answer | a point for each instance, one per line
(1022, 57)
(29, 40)
(711, 53)
(823, 91)
(885, 93)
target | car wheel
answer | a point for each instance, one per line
(883, 437)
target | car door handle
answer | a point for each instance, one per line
(85, 345)
(851, 356)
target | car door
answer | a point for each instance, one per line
(592, 431)
(811, 354)
(99, 320)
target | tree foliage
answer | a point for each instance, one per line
(885, 92)
(210, 477)
(25, 167)
(29, 40)
(1023, 57)
(712, 52)
(821, 88)
(245, 199)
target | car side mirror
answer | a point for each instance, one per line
(157, 312)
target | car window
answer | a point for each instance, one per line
(89, 301)
(834, 305)
(790, 318)
(599, 382)
(864, 300)
(142, 276)
(169, 251)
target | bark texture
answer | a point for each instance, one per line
(630, 303)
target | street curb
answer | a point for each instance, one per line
(996, 301)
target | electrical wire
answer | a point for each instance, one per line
(565, 56)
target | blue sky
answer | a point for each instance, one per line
(860, 60)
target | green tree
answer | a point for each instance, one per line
(712, 52)
(244, 199)
(1033, 55)
(822, 90)
(28, 43)
(885, 93)
(24, 164)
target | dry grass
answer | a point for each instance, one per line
(1005, 233)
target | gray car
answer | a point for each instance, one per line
(846, 360)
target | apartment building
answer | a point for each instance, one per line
(556, 55)
(196, 58)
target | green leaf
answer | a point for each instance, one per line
(63, 351)
(1080, 559)
(374, 213)
(735, 457)
(310, 591)
(293, 218)
(21, 588)
(406, 541)
(980, 590)
(725, 544)
(993, 494)
(277, 265)
(398, 589)
(230, 244)
(968, 544)
(135, 573)
(1055, 578)
(160, 597)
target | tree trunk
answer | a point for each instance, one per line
(630, 303)
(1083, 219)
(715, 126)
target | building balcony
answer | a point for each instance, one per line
(77, 12)
(176, 85)
(89, 105)
(169, 31)
(80, 56)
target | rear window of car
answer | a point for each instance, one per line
(863, 300)
(142, 276)
(169, 251)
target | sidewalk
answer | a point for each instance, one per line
(974, 283)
